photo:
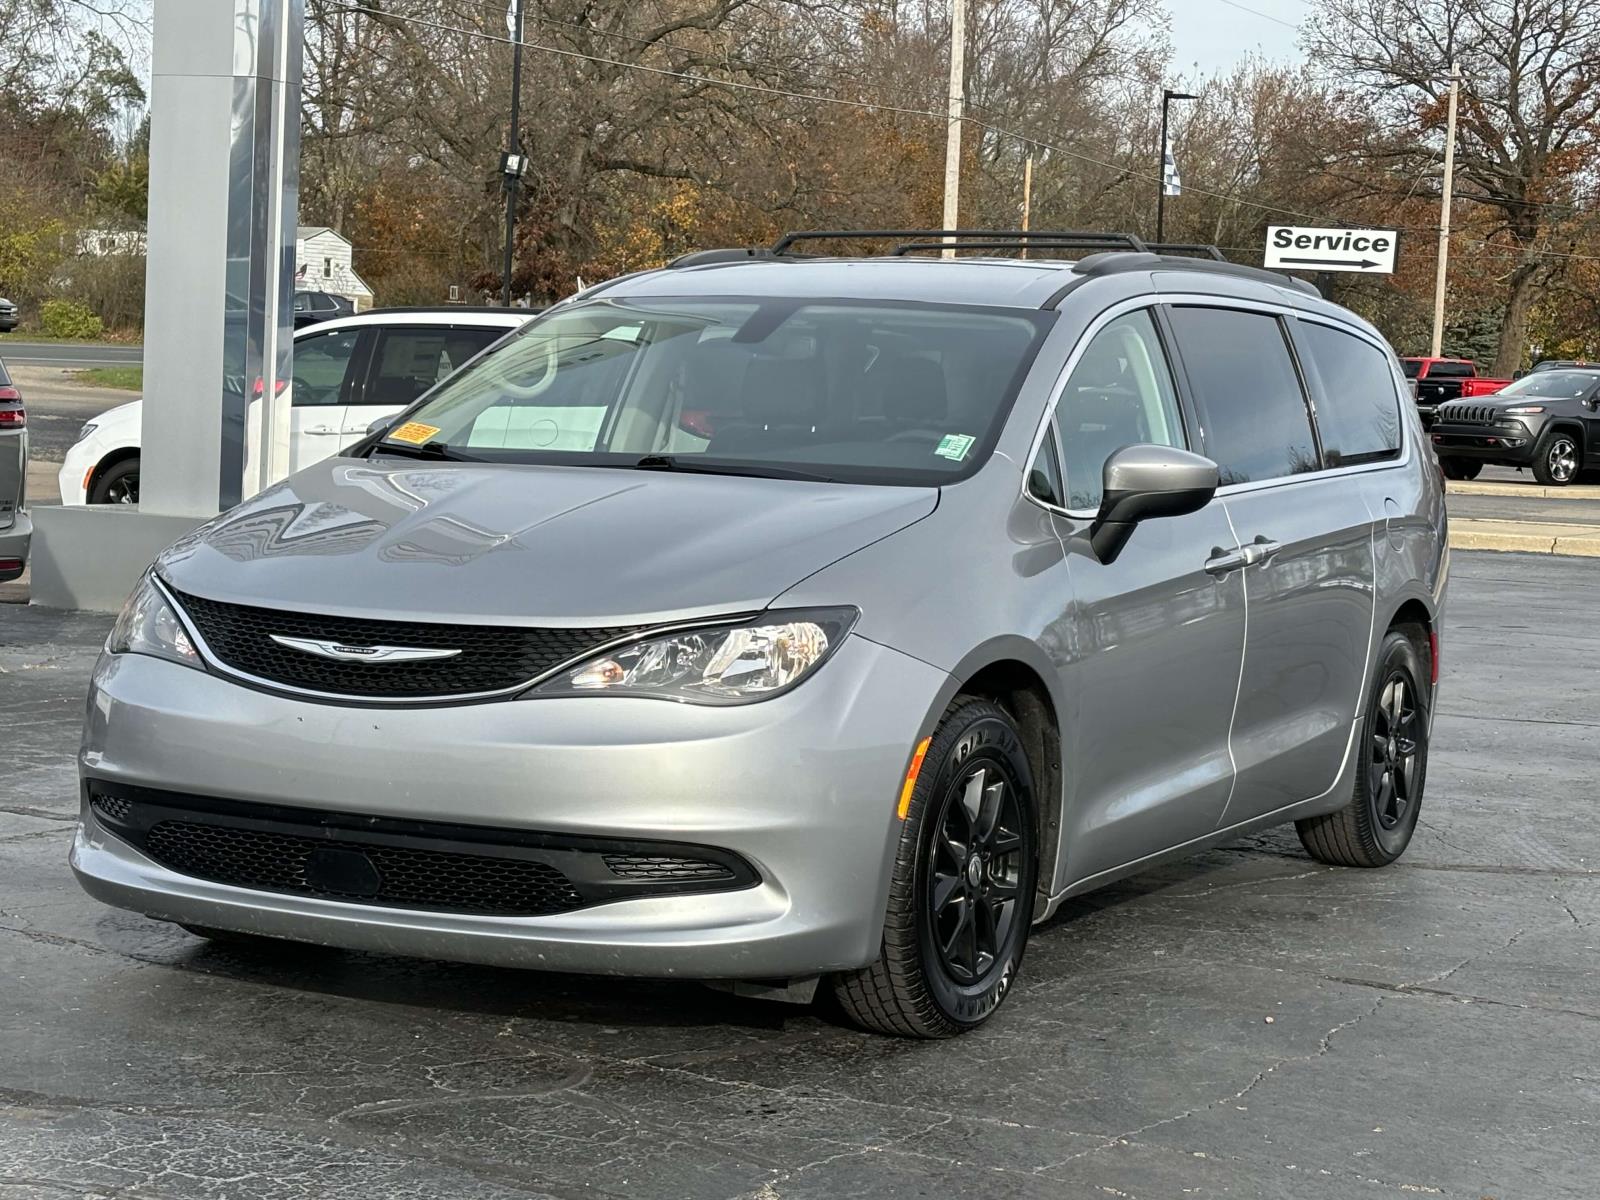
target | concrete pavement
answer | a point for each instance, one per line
(1246, 1024)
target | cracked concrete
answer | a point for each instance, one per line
(1431, 1024)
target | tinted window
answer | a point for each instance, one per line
(1358, 412)
(5, 380)
(1119, 394)
(321, 364)
(1550, 384)
(302, 302)
(1411, 366)
(1450, 370)
(1255, 417)
(410, 361)
(1044, 481)
(858, 392)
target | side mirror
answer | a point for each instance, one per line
(1144, 482)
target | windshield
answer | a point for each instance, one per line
(859, 392)
(1411, 366)
(1553, 385)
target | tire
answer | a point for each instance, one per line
(117, 484)
(937, 974)
(1376, 826)
(1460, 468)
(1558, 459)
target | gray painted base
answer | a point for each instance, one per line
(90, 556)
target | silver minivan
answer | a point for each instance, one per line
(784, 619)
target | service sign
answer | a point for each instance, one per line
(1307, 250)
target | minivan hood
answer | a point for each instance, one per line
(512, 544)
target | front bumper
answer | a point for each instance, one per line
(803, 787)
(1486, 443)
(14, 542)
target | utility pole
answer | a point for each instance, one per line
(952, 142)
(513, 166)
(1167, 97)
(1444, 211)
(1027, 197)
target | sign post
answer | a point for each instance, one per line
(1355, 251)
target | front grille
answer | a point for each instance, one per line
(491, 658)
(1468, 414)
(400, 877)
(399, 862)
(664, 866)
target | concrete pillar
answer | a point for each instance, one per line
(224, 195)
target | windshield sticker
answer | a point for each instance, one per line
(954, 446)
(414, 432)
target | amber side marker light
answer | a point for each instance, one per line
(912, 772)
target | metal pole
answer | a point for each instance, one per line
(952, 143)
(1161, 170)
(513, 177)
(1027, 197)
(1444, 212)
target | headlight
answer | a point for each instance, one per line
(88, 428)
(731, 664)
(147, 624)
(1526, 408)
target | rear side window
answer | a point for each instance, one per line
(1450, 370)
(1256, 422)
(1359, 411)
(410, 361)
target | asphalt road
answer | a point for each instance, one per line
(1244, 1024)
(67, 354)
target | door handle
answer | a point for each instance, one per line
(321, 429)
(1262, 550)
(1222, 561)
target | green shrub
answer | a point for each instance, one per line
(64, 319)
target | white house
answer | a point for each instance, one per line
(322, 264)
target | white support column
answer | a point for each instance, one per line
(224, 195)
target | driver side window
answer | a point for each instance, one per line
(1120, 394)
(321, 367)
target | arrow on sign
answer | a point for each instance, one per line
(1364, 264)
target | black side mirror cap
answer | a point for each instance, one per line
(1145, 482)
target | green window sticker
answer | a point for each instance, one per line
(954, 446)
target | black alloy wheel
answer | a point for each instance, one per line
(962, 894)
(1375, 826)
(119, 484)
(976, 872)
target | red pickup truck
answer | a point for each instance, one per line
(1437, 380)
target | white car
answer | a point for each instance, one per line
(348, 373)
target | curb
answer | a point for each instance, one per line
(1580, 546)
(1528, 491)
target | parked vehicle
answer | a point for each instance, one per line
(9, 317)
(1548, 420)
(347, 374)
(1436, 381)
(312, 308)
(1559, 364)
(770, 617)
(16, 529)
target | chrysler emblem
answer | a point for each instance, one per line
(344, 653)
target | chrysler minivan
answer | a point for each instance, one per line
(788, 620)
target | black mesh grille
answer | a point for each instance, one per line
(492, 658)
(665, 866)
(113, 807)
(411, 878)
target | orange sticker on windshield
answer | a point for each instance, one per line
(414, 432)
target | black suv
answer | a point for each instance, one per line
(1549, 420)
(312, 308)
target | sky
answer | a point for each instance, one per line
(1213, 35)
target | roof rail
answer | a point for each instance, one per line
(1060, 242)
(1197, 248)
(1116, 264)
(1124, 241)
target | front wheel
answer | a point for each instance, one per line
(118, 484)
(961, 899)
(1558, 459)
(1376, 826)
(1460, 468)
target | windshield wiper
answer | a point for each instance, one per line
(436, 450)
(696, 466)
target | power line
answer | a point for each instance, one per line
(1258, 13)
